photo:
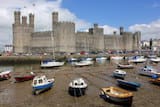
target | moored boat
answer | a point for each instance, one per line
(137, 59)
(101, 59)
(49, 63)
(5, 75)
(24, 78)
(148, 71)
(119, 73)
(77, 87)
(83, 63)
(116, 57)
(125, 66)
(155, 79)
(41, 83)
(128, 84)
(155, 59)
(117, 95)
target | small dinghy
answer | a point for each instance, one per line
(116, 57)
(5, 75)
(128, 84)
(41, 84)
(155, 59)
(24, 78)
(77, 87)
(148, 71)
(117, 95)
(119, 74)
(101, 60)
(125, 66)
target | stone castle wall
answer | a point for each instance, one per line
(63, 38)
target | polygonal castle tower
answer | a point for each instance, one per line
(22, 32)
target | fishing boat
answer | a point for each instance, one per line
(148, 71)
(25, 78)
(119, 73)
(101, 59)
(116, 57)
(77, 87)
(155, 59)
(155, 79)
(41, 84)
(5, 75)
(49, 63)
(83, 63)
(128, 84)
(125, 66)
(137, 59)
(117, 95)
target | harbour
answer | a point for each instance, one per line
(97, 76)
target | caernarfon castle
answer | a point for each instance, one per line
(63, 37)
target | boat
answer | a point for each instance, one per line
(5, 75)
(101, 59)
(125, 66)
(49, 63)
(128, 84)
(116, 57)
(83, 63)
(155, 59)
(119, 73)
(25, 78)
(72, 61)
(77, 87)
(155, 79)
(41, 84)
(148, 71)
(137, 59)
(117, 95)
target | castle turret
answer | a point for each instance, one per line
(54, 19)
(31, 20)
(24, 20)
(17, 17)
(121, 30)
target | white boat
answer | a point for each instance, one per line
(41, 83)
(119, 73)
(155, 59)
(116, 57)
(5, 75)
(101, 59)
(77, 87)
(148, 71)
(51, 63)
(83, 63)
(137, 59)
(72, 61)
(125, 66)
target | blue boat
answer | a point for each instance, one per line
(128, 84)
(41, 84)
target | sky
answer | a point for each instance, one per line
(133, 15)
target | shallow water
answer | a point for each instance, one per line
(97, 76)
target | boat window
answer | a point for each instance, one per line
(75, 83)
(40, 81)
(82, 83)
(35, 82)
(107, 90)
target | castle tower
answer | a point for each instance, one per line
(22, 33)
(31, 20)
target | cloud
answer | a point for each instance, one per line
(109, 29)
(156, 5)
(150, 30)
(43, 13)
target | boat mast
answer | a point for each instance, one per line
(52, 40)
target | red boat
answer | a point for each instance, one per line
(5, 75)
(25, 78)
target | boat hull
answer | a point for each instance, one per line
(128, 85)
(124, 101)
(25, 78)
(5, 77)
(124, 66)
(76, 91)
